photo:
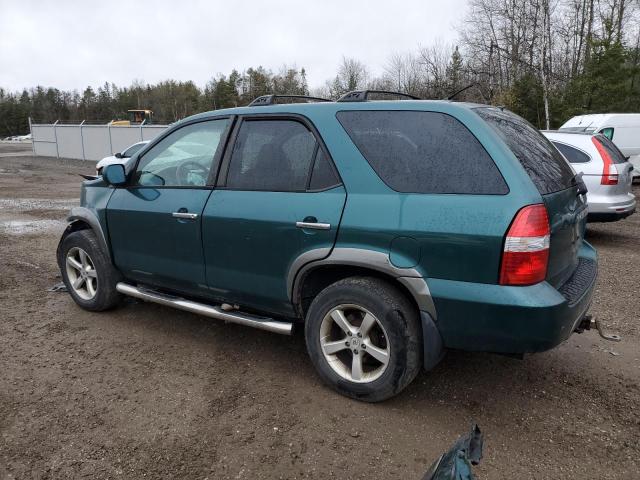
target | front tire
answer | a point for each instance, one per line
(364, 338)
(87, 273)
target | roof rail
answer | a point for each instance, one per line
(363, 95)
(272, 99)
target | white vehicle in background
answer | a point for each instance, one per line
(623, 129)
(606, 173)
(18, 138)
(120, 157)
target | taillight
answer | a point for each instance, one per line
(526, 247)
(609, 170)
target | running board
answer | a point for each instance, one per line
(255, 321)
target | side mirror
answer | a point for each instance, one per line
(114, 174)
(118, 155)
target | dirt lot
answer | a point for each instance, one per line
(146, 391)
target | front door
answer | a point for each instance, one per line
(155, 223)
(279, 196)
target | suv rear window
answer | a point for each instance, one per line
(614, 152)
(546, 167)
(423, 152)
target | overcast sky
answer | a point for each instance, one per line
(72, 44)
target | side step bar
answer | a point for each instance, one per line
(255, 321)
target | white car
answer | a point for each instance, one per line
(623, 129)
(605, 171)
(120, 157)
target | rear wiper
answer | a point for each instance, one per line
(579, 182)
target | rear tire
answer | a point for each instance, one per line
(87, 272)
(378, 351)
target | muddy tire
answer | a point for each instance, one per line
(87, 272)
(364, 338)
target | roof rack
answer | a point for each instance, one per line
(363, 95)
(272, 99)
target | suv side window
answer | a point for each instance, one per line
(271, 155)
(323, 176)
(572, 154)
(423, 152)
(183, 158)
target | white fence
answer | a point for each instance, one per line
(87, 142)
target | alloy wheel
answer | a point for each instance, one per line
(354, 343)
(82, 274)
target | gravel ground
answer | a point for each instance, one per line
(149, 392)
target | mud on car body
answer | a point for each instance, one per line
(388, 230)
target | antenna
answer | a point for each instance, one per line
(454, 95)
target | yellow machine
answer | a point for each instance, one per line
(136, 117)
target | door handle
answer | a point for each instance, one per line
(185, 215)
(314, 225)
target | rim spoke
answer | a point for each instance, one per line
(83, 259)
(379, 354)
(356, 367)
(78, 282)
(334, 347)
(90, 287)
(92, 273)
(357, 340)
(341, 321)
(73, 263)
(367, 322)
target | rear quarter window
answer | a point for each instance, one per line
(423, 152)
(548, 170)
(572, 154)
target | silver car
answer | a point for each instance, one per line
(606, 173)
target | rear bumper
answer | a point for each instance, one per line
(615, 208)
(495, 318)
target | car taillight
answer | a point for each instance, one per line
(526, 247)
(609, 170)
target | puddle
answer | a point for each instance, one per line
(24, 227)
(38, 203)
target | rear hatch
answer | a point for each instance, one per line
(555, 180)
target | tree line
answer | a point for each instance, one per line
(546, 60)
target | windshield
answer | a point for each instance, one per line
(129, 152)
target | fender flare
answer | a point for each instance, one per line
(410, 278)
(84, 215)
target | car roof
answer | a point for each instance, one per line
(333, 107)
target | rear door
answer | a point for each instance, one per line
(554, 178)
(278, 196)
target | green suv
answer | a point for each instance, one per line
(388, 230)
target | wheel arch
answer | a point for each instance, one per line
(314, 276)
(81, 218)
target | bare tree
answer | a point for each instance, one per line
(352, 75)
(404, 73)
(435, 60)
